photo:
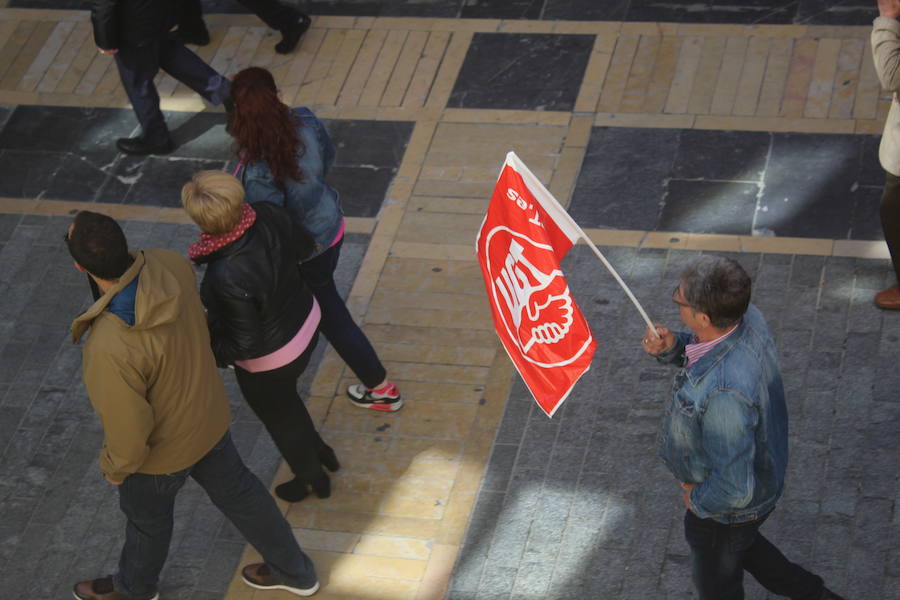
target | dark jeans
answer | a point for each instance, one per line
(338, 325)
(272, 13)
(890, 218)
(148, 503)
(273, 397)
(138, 65)
(721, 553)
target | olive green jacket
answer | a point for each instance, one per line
(154, 385)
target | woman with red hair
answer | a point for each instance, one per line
(284, 157)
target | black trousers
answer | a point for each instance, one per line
(890, 218)
(138, 65)
(273, 397)
(721, 553)
(272, 13)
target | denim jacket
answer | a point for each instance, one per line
(312, 203)
(726, 426)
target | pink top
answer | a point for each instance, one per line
(289, 351)
(695, 352)
(340, 234)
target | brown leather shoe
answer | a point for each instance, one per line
(888, 299)
(260, 576)
(100, 589)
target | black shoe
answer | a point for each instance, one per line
(294, 490)
(321, 485)
(829, 595)
(198, 36)
(329, 459)
(138, 146)
(292, 35)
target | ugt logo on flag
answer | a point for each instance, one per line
(525, 235)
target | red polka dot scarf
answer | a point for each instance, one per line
(209, 243)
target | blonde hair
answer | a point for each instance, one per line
(213, 201)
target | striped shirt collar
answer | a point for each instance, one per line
(698, 350)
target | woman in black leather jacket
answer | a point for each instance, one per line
(262, 318)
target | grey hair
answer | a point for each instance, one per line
(718, 287)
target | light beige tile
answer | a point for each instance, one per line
(860, 249)
(615, 237)
(471, 25)
(750, 84)
(683, 77)
(394, 546)
(594, 76)
(362, 67)
(46, 56)
(600, 28)
(713, 242)
(775, 78)
(318, 70)
(869, 88)
(665, 239)
(642, 120)
(639, 77)
(773, 245)
(663, 72)
(869, 127)
(799, 76)
(707, 75)
(404, 68)
(821, 85)
(648, 28)
(799, 125)
(617, 73)
(27, 55)
(340, 67)
(79, 65)
(426, 69)
(846, 79)
(291, 73)
(14, 46)
(328, 541)
(729, 76)
(437, 574)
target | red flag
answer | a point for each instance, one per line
(525, 235)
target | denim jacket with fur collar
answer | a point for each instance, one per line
(725, 427)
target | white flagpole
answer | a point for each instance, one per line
(525, 172)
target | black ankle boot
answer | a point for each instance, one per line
(329, 459)
(294, 490)
(321, 485)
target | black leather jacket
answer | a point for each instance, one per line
(255, 298)
(120, 23)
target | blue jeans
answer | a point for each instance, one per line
(721, 553)
(337, 324)
(148, 502)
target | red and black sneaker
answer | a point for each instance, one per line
(385, 398)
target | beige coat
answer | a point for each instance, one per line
(154, 385)
(886, 52)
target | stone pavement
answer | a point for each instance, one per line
(668, 129)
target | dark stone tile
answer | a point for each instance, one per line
(834, 12)
(723, 155)
(200, 135)
(87, 132)
(502, 9)
(161, 180)
(618, 186)
(715, 11)
(369, 143)
(361, 189)
(870, 171)
(586, 10)
(499, 71)
(76, 178)
(27, 174)
(807, 184)
(865, 222)
(124, 173)
(709, 207)
(8, 224)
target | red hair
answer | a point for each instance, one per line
(263, 127)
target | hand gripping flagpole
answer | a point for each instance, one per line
(562, 213)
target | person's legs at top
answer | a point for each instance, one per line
(339, 328)
(273, 397)
(137, 66)
(289, 21)
(780, 576)
(148, 502)
(241, 497)
(717, 553)
(189, 69)
(191, 28)
(890, 223)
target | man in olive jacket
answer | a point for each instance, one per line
(152, 379)
(136, 33)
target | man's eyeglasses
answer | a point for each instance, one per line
(675, 295)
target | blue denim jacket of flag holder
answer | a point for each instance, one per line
(312, 203)
(726, 425)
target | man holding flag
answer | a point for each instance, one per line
(724, 434)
